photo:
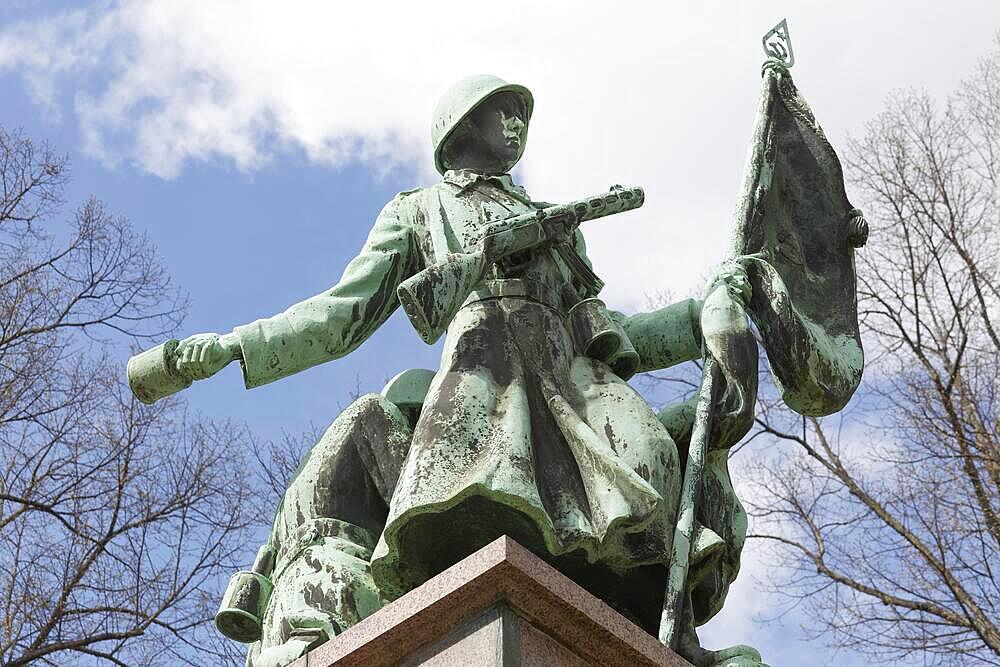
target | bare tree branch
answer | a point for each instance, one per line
(119, 522)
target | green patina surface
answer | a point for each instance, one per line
(528, 427)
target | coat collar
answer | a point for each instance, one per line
(465, 178)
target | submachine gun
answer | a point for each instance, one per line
(432, 297)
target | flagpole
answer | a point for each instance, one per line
(756, 181)
(694, 473)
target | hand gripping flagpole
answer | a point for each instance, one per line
(757, 177)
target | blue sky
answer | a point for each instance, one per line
(255, 146)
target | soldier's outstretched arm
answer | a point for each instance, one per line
(667, 336)
(672, 335)
(324, 327)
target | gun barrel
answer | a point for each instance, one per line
(615, 200)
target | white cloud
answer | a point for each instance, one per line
(646, 93)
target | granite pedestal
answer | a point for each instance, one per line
(502, 606)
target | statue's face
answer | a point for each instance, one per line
(503, 126)
(491, 138)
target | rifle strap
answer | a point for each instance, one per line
(582, 274)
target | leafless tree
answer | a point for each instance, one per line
(279, 460)
(118, 521)
(884, 521)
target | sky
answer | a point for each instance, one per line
(255, 142)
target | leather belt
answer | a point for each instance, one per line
(517, 288)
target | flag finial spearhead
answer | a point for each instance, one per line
(778, 45)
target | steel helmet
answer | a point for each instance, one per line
(459, 102)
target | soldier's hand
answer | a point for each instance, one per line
(202, 355)
(857, 231)
(734, 278)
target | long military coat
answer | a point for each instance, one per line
(519, 433)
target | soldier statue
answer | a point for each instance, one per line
(529, 427)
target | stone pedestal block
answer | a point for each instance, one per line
(502, 606)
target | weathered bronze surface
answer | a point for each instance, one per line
(528, 428)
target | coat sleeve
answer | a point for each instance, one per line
(666, 336)
(335, 322)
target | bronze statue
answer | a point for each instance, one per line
(529, 428)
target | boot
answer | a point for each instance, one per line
(322, 585)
